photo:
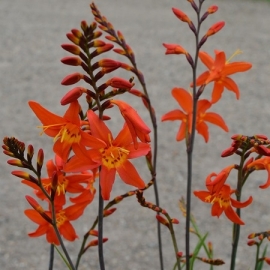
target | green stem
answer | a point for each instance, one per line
(257, 255)
(174, 242)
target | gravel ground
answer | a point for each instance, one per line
(30, 68)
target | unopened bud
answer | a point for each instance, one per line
(72, 78)
(215, 28)
(162, 220)
(71, 61)
(73, 95)
(108, 212)
(25, 176)
(93, 232)
(71, 48)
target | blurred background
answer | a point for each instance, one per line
(30, 69)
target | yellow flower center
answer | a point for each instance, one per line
(223, 201)
(68, 132)
(113, 156)
(60, 218)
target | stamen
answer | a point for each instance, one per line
(238, 51)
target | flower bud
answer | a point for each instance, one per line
(38, 208)
(71, 48)
(215, 28)
(30, 152)
(25, 176)
(73, 38)
(73, 95)
(174, 49)
(118, 82)
(71, 61)
(162, 220)
(72, 78)
(108, 212)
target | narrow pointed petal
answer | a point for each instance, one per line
(35, 216)
(107, 178)
(129, 175)
(201, 79)
(173, 115)
(216, 119)
(181, 134)
(142, 150)
(72, 113)
(41, 230)
(183, 98)
(202, 195)
(217, 92)
(216, 210)
(202, 129)
(47, 118)
(238, 204)
(123, 138)
(98, 127)
(68, 232)
(235, 67)
(203, 105)
(232, 86)
(231, 215)
(206, 59)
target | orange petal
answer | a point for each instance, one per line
(234, 67)
(129, 175)
(216, 210)
(47, 118)
(232, 86)
(206, 59)
(142, 150)
(98, 127)
(183, 98)
(72, 113)
(107, 178)
(201, 79)
(174, 115)
(202, 129)
(238, 204)
(217, 91)
(215, 119)
(39, 231)
(202, 195)
(68, 231)
(232, 216)
(203, 105)
(181, 134)
(123, 138)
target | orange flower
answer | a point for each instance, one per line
(113, 156)
(63, 218)
(66, 130)
(65, 183)
(222, 202)
(184, 99)
(219, 69)
(262, 164)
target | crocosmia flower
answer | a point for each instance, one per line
(222, 202)
(65, 130)
(184, 100)
(219, 70)
(63, 218)
(113, 156)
